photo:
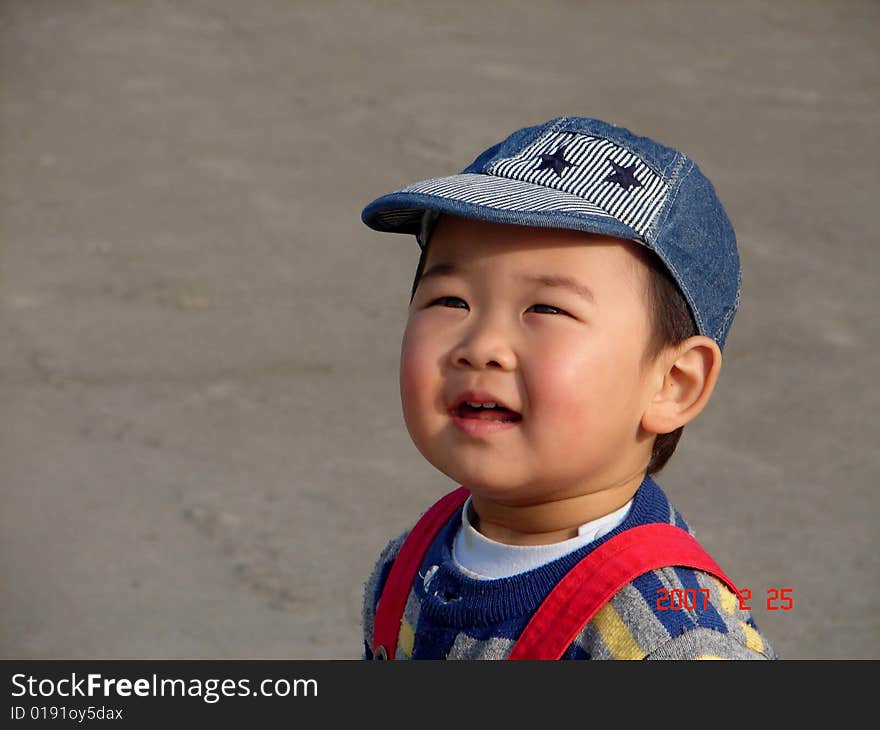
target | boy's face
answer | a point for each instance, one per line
(569, 363)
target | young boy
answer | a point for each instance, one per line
(575, 288)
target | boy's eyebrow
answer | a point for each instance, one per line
(557, 280)
(440, 270)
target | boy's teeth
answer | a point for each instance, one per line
(482, 405)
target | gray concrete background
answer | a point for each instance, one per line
(202, 447)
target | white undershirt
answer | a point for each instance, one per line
(482, 558)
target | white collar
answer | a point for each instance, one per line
(480, 557)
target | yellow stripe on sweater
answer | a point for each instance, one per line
(728, 597)
(753, 638)
(407, 638)
(616, 635)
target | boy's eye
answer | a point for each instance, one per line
(445, 299)
(556, 310)
(549, 306)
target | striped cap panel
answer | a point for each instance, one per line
(596, 170)
(504, 194)
(401, 217)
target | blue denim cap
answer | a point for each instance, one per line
(588, 175)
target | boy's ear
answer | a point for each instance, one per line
(685, 375)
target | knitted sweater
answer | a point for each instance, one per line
(451, 615)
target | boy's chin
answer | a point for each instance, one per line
(489, 483)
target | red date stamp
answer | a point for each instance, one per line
(676, 599)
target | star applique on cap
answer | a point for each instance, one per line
(623, 176)
(556, 161)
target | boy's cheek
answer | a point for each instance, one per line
(419, 350)
(570, 397)
(558, 381)
(418, 382)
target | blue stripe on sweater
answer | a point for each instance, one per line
(675, 622)
(576, 651)
(707, 617)
(679, 520)
(433, 642)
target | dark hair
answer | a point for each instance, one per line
(671, 322)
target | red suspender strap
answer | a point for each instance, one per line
(389, 612)
(595, 579)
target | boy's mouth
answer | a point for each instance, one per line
(496, 413)
(485, 411)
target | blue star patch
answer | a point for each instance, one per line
(556, 161)
(623, 176)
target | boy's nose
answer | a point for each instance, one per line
(482, 352)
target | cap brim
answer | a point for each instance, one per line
(492, 199)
